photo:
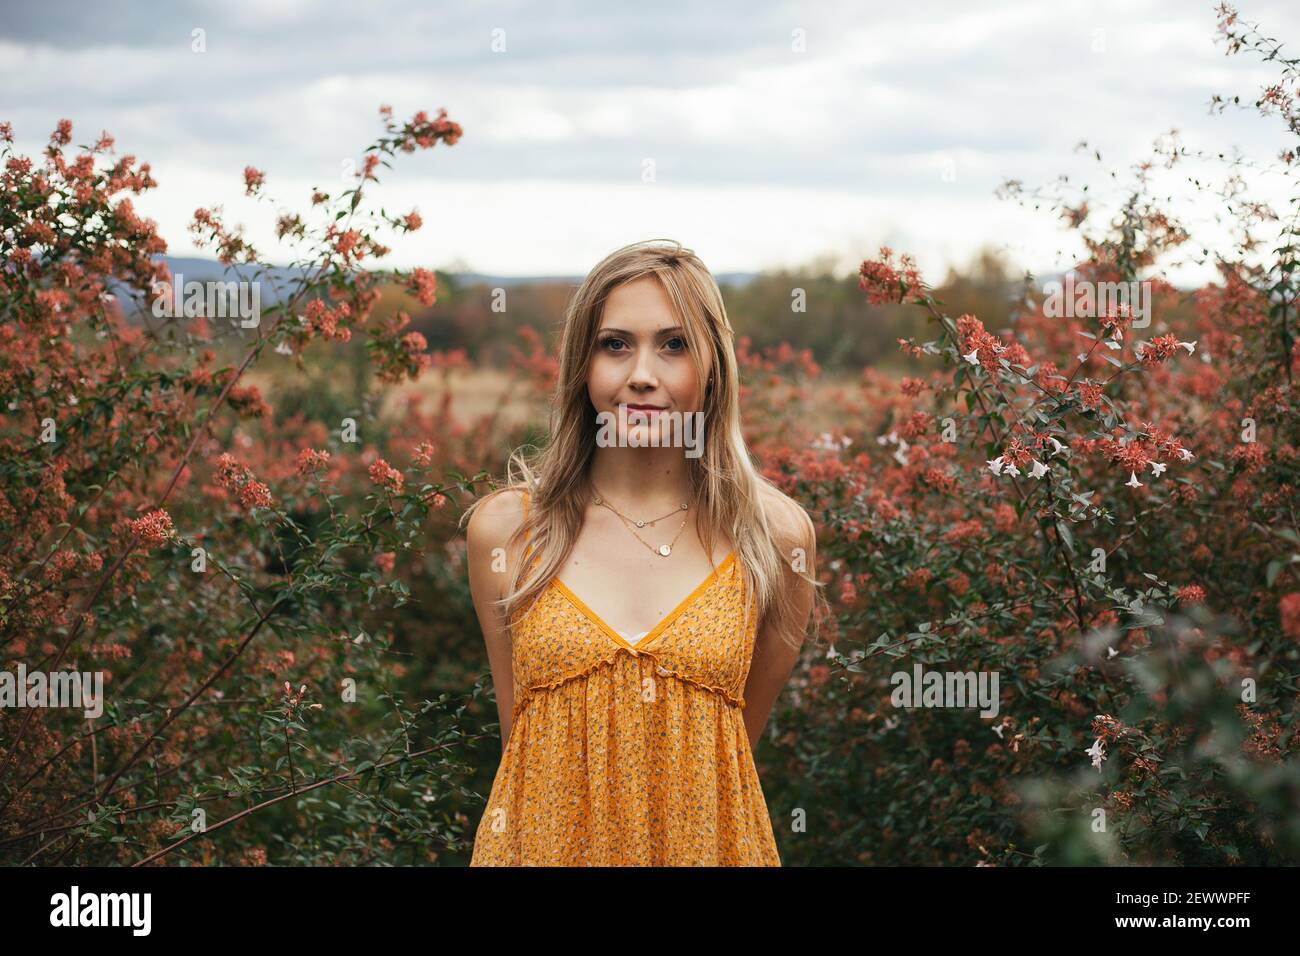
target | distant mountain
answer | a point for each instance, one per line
(202, 270)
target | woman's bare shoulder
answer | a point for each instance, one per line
(495, 520)
(790, 523)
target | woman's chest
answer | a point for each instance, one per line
(707, 636)
(634, 595)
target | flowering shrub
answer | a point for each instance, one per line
(1104, 518)
(162, 528)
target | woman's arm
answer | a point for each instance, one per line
(490, 527)
(774, 656)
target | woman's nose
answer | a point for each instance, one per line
(643, 371)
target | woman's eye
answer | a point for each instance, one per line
(681, 343)
(606, 343)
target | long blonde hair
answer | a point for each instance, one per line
(723, 478)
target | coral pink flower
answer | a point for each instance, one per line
(253, 180)
(254, 494)
(423, 284)
(1289, 608)
(153, 529)
(885, 281)
(386, 476)
(311, 461)
(423, 454)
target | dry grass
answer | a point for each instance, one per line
(475, 393)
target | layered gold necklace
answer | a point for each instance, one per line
(664, 549)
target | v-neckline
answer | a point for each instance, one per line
(659, 628)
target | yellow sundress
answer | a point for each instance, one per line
(630, 755)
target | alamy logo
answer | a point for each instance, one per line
(924, 688)
(102, 909)
(667, 430)
(212, 299)
(1085, 299)
(59, 689)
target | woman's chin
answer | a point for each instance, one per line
(644, 435)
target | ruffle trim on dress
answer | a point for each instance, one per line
(530, 692)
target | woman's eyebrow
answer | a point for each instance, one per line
(674, 328)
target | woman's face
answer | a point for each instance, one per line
(641, 357)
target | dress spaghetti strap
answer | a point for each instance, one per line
(528, 535)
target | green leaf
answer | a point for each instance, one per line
(1274, 569)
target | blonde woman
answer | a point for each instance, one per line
(643, 592)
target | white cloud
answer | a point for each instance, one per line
(894, 124)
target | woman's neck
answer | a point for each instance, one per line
(641, 477)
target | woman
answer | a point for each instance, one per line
(657, 590)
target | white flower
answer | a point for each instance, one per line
(973, 356)
(995, 465)
(1012, 470)
(1187, 455)
(1056, 445)
(1133, 480)
(1097, 752)
(1039, 469)
(1190, 346)
(1158, 468)
(1111, 652)
(284, 349)
(829, 442)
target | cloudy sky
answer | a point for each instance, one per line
(776, 132)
